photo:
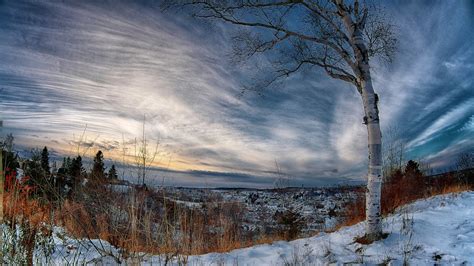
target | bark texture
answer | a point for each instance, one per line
(371, 120)
(374, 177)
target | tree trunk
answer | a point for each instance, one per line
(371, 119)
(374, 177)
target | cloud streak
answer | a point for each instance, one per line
(71, 64)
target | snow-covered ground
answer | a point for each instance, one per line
(436, 230)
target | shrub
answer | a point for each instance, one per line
(290, 222)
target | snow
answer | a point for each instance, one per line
(189, 204)
(19, 174)
(120, 188)
(435, 230)
(316, 206)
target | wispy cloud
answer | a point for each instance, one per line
(71, 64)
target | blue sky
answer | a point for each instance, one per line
(68, 65)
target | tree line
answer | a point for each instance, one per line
(46, 180)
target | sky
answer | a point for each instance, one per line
(79, 76)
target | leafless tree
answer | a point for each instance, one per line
(465, 161)
(144, 157)
(393, 151)
(337, 36)
(465, 167)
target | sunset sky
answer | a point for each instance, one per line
(65, 66)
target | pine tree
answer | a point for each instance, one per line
(9, 159)
(76, 172)
(98, 168)
(113, 173)
(412, 169)
(45, 161)
(75, 168)
(9, 162)
(413, 179)
(36, 175)
(67, 165)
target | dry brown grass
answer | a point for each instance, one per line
(29, 215)
(365, 240)
(353, 213)
(400, 190)
(18, 207)
(454, 188)
(148, 221)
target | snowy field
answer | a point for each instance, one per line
(437, 230)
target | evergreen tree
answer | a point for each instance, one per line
(75, 168)
(76, 172)
(290, 222)
(66, 165)
(98, 169)
(113, 173)
(9, 162)
(45, 161)
(9, 159)
(412, 169)
(413, 179)
(36, 175)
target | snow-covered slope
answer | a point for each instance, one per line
(435, 230)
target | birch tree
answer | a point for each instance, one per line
(336, 36)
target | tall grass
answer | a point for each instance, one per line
(148, 220)
(26, 226)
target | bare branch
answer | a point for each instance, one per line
(303, 32)
(380, 36)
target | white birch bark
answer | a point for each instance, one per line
(371, 119)
(374, 177)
